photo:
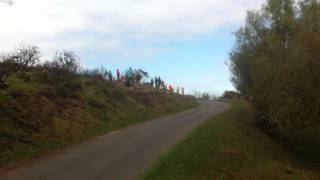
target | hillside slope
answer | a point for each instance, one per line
(42, 111)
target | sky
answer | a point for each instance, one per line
(185, 42)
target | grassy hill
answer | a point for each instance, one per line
(231, 146)
(43, 110)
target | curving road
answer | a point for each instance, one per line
(119, 155)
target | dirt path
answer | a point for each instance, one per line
(122, 154)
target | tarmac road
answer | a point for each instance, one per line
(119, 155)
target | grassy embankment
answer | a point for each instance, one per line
(230, 146)
(42, 111)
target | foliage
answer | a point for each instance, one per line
(231, 94)
(63, 62)
(275, 63)
(22, 58)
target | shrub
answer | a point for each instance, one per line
(275, 62)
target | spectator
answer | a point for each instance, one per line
(118, 74)
(159, 82)
(110, 75)
(170, 89)
(156, 81)
(182, 90)
(130, 77)
(178, 90)
(152, 83)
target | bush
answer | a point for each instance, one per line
(231, 94)
(275, 62)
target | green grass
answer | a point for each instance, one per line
(18, 84)
(117, 121)
(230, 146)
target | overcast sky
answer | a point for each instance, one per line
(186, 42)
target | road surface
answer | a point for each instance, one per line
(119, 155)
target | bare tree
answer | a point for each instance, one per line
(26, 56)
(67, 61)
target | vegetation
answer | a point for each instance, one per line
(231, 95)
(244, 152)
(275, 62)
(56, 103)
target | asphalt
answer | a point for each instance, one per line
(119, 155)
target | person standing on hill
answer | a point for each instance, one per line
(178, 90)
(152, 82)
(182, 90)
(170, 89)
(118, 74)
(156, 80)
(159, 82)
(110, 75)
(130, 77)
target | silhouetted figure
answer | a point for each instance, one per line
(152, 83)
(182, 90)
(156, 81)
(118, 74)
(110, 75)
(159, 82)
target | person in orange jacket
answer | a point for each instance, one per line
(170, 88)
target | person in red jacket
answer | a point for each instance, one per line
(170, 89)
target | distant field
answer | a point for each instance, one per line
(230, 146)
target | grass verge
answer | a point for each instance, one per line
(9, 159)
(230, 146)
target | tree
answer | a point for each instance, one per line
(139, 75)
(275, 62)
(67, 61)
(26, 56)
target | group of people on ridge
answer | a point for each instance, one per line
(160, 85)
(130, 77)
(158, 82)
